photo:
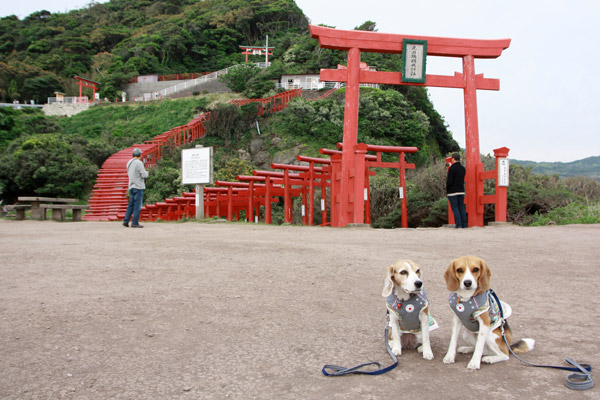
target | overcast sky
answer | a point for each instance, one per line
(547, 108)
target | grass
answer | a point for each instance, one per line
(573, 213)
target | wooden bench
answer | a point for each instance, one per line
(59, 211)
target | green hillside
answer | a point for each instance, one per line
(114, 41)
(589, 167)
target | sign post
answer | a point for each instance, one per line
(197, 169)
(502, 168)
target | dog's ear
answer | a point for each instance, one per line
(452, 282)
(485, 273)
(388, 284)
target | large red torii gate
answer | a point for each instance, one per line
(356, 42)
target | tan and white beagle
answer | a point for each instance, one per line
(408, 308)
(475, 311)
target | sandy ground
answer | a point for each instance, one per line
(92, 310)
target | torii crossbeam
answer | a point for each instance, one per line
(356, 42)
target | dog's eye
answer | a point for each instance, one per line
(418, 272)
(404, 272)
(460, 270)
(475, 269)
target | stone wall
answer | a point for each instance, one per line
(63, 109)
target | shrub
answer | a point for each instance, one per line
(163, 182)
(229, 122)
(229, 169)
(573, 213)
(45, 165)
(237, 77)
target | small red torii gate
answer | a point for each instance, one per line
(88, 83)
(355, 42)
(258, 51)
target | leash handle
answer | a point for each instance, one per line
(340, 371)
(577, 381)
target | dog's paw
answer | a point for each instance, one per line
(466, 349)
(428, 355)
(397, 350)
(488, 359)
(494, 359)
(449, 359)
(473, 364)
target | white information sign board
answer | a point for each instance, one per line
(503, 169)
(197, 166)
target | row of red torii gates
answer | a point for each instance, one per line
(348, 169)
(255, 194)
(263, 188)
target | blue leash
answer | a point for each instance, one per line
(577, 381)
(340, 371)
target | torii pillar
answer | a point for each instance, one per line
(355, 42)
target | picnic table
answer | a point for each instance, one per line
(39, 205)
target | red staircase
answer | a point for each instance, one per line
(108, 201)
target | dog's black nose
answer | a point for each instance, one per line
(418, 284)
(467, 283)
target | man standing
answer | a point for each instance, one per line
(455, 189)
(137, 183)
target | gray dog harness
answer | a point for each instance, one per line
(408, 311)
(468, 311)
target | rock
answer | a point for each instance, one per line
(288, 156)
(244, 155)
(256, 145)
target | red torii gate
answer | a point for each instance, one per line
(356, 42)
(257, 51)
(83, 82)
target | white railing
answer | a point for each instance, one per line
(20, 105)
(318, 85)
(164, 93)
(67, 100)
(308, 85)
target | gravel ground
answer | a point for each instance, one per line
(93, 310)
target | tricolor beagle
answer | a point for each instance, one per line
(477, 313)
(408, 308)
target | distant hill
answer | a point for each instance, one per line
(589, 167)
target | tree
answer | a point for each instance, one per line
(367, 26)
(44, 165)
(238, 76)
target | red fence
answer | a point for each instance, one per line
(109, 195)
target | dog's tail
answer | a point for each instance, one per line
(523, 346)
(520, 346)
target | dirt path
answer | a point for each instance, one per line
(207, 311)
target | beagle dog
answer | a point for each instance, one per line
(408, 308)
(477, 313)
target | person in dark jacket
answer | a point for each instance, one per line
(455, 189)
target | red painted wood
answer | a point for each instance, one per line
(377, 42)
